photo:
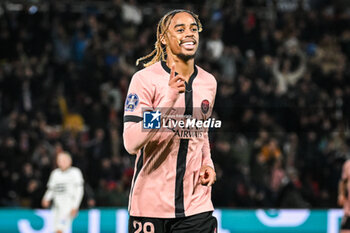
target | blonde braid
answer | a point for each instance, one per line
(159, 52)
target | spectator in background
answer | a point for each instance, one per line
(283, 71)
(131, 12)
(62, 45)
(227, 62)
(215, 46)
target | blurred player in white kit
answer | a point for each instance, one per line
(66, 188)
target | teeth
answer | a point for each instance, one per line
(188, 43)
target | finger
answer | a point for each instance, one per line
(201, 178)
(180, 85)
(211, 177)
(211, 182)
(172, 72)
(178, 78)
(205, 179)
(208, 173)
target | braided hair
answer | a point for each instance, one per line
(159, 53)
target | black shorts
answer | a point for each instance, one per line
(345, 223)
(201, 223)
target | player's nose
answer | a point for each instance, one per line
(189, 32)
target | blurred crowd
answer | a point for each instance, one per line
(283, 95)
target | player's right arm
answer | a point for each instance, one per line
(49, 192)
(140, 88)
(78, 183)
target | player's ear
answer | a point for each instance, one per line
(163, 39)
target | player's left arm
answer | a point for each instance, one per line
(78, 192)
(207, 175)
(48, 196)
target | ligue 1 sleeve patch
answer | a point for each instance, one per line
(131, 102)
(205, 106)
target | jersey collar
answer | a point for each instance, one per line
(190, 81)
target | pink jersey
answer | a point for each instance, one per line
(165, 182)
(346, 175)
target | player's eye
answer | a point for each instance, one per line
(180, 30)
(194, 29)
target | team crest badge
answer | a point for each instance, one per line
(131, 102)
(205, 106)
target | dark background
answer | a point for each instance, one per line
(283, 95)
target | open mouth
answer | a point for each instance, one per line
(188, 45)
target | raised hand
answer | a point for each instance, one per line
(177, 82)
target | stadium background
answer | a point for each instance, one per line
(283, 95)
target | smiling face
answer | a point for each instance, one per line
(182, 37)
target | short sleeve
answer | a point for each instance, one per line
(78, 177)
(138, 99)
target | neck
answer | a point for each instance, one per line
(65, 169)
(184, 68)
